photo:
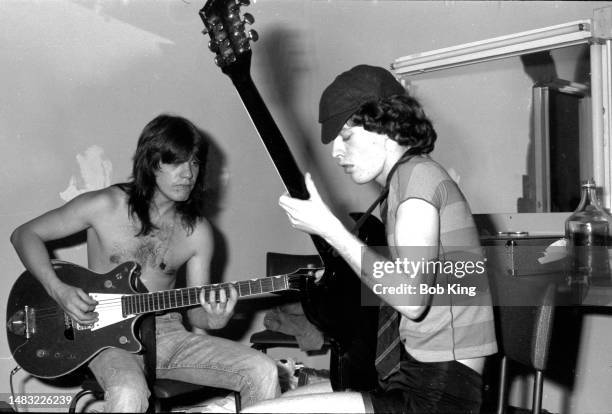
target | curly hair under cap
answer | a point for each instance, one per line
(401, 118)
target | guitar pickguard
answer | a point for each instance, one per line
(109, 311)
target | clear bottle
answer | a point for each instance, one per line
(588, 236)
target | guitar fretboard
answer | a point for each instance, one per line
(178, 298)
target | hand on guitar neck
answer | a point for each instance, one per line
(312, 215)
(47, 342)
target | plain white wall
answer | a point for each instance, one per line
(79, 80)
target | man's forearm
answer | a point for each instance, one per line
(35, 257)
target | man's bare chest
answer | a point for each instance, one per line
(162, 250)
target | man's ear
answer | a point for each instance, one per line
(391, 144)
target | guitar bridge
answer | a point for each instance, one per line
(23, 322)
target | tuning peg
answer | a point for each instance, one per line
(233, 12)
(221, 36)
(252, 34)
(243, 3)
(248, 19)
(244, 47)
(212, 21)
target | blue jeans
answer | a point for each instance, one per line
(189, 357)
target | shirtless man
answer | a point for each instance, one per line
(156, 219)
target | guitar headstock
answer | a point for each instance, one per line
(229, 39)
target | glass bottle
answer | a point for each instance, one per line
(588, 236)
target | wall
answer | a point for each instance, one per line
(81, 78)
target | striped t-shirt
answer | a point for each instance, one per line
(454, 326)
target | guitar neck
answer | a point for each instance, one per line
(179, 298)
(275, 143)
(271, 136)
(231, 45)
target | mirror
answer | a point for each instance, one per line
(515, 132)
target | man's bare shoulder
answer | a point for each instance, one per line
(202, 232)
(106, 200)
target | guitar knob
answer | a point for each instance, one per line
(252, 34)
(42, 353)
(248, 18)
(219, 61)
(243, 2)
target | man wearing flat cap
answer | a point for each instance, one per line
(432, 341)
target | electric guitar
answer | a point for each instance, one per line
(47, 343)
(334, 302)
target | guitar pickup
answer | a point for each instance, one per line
(23, 322)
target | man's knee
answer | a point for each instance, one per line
(264, 378)
(264, 369)
(130, 397)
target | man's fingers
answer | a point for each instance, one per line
(233, 299)
(222, 297)
(233, 293)
(82, 317)
(310, 186)
(205, 304)
(212, 305)
(86, 298)
(285, 202)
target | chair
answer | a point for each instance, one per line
(524, 336)
(266, 339)
(280, 263)
(163, 391)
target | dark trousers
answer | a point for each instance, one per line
(428, 387)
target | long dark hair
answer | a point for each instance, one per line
(166, 139)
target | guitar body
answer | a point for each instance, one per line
(334, 304)
(47, 343)
(44, 342)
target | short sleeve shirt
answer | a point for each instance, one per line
(455, 325)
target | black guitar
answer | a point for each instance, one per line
(47, 343)
(333, 303)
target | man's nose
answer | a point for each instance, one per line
(338, 149)
(187, 170)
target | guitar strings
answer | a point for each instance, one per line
(158, 300)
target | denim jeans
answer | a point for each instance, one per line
(189, 357)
